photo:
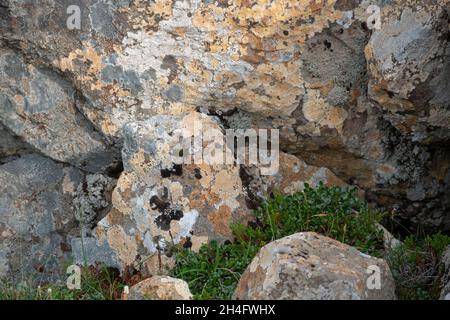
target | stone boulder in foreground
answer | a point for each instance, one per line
(160, 288)
(308, 266)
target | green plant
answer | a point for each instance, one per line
(214, 271)
(331, 211)
(416, 266)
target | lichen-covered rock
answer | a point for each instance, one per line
(410, 69)
(409, 76)
(291, 177)
(160, 288)
(159, 202)
(40, 107)
(36, 216)
(308, 266)
(92, 199)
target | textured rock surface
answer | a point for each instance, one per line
(40, 107)
(10, 145)
(308, 266)
(92, 199)
(36, 216)
(370, 105)
(160, 288)
(291, 177)
(158, 203)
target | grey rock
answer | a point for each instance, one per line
(308, 266)
(10, 145)
(161, 201)
(36, 217)
(40, 107)
(88, 251)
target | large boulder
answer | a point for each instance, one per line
(308, 266)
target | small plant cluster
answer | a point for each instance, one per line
(417, 267)
(215, 270)
(97, 283)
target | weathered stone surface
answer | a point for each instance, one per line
(445, 293)
(160, 288)
(310, 266)
(370, 105)
(291, 177)
(92, 199)
(158, 203)
(10, 145)
(41, 107)
(410, 69)
(36, 216)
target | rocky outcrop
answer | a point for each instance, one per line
(409, 72)
(371, 105)
(161, 200)
(308, 266)
(160, 288)
(353, 104)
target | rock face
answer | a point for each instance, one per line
(307, 266)
(161, 201)
(370, 104)
(43, 208)
(41, 108)
(36, 216)
(160, 288)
